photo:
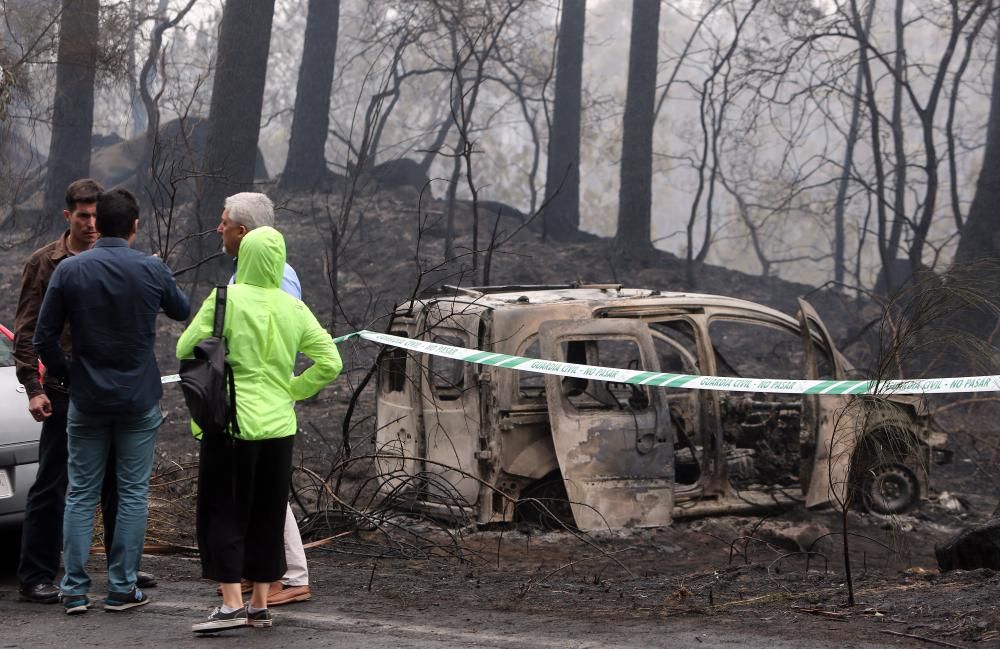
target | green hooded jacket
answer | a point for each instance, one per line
(264, 329)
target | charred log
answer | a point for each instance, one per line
(978, 547)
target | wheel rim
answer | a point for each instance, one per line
(891, 490)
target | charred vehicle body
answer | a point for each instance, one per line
(496, 444)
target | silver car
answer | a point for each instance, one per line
(19, 434)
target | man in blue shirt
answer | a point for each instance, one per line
(110, 296)
(48, 402)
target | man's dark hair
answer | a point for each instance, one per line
(82, 190)
(116, 211)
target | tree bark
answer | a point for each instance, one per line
(874, 129)
(840, 205)
(636, 192)
(73, 108)
(980, 237)
(432, 151)
(237, 99)
(151, 108)
(894, 278)
(562, 173)
(305, 166)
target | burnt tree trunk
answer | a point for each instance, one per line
(635, 195)
(146, 172)
(305, 167)
(73, 107)
(562, 173)
(237, 99)
(980, 238)
(840, 204)
(432, 151)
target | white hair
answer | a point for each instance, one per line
(251, 210)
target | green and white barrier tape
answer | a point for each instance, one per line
(685, 381)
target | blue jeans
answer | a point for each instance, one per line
(41, 532)
(89, 437)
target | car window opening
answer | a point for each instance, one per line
(447, 375)
(393, 367)
(587, 394)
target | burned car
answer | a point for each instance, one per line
(496, 443)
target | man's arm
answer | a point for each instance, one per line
(199, 329)
(175, 302)
(48, 329)
(29, 301)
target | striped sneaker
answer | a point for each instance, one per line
(124, 601)
(219, 621)
(259, 619)
(75, 604)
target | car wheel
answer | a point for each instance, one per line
(545, 503)
(890, 489)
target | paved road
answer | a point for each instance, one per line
(164, 623)
(335, 618)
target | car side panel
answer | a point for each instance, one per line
(19, 434)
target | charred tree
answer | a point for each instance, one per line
(978, 238)
(237, 100)
(840, 204)
(562, 173)
(979, 242)
(150, 101)
(305, 167)
(635, 195)
(73, 107)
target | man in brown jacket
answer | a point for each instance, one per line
(48, 402)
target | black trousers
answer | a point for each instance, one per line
(242, 497)
(42, 531)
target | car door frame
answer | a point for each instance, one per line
(835, 436)
(610, 482)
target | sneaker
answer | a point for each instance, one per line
(219, 621)
(259, 619)
(284, 594)
(125, 601)
(75, 604)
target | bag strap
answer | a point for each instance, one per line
(220, 317)
(220, 311)
(231, 380)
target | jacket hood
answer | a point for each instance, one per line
(261, 261)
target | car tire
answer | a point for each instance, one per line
(545, 503)
(890, 489)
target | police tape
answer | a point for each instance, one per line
(989, 383)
